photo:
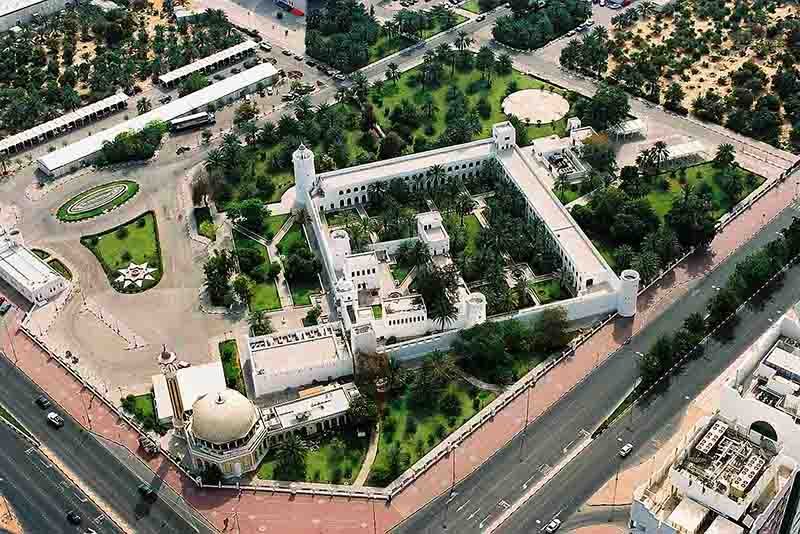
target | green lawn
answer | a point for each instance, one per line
(550, 291)
(607, 251)
(335, 458)
(696, 174)
(64, 213)
(294, 235)
(60, 268)
(229, 354)
(41, 254)
(272, 224)
(144, 407)
(432, 426)
(265, 294)
(386, 46)
(472, 6)
(399, 272)
(405, 89)
(339, 218)
(138, 244)
(302, 290)
(568, 194)
(201, 215)
(377, 311)
(438, 28)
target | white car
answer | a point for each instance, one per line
(55, 419)
(602, 3)
(553, 525)
(625, 450)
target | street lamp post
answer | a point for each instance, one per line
(452, 488)
(527, 412)
(11, 343)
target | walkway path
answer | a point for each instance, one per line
(284, 293)
(372, 452)
(480, 384)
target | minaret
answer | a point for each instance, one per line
(305, 175)
(170, 371)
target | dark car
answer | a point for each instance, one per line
(147, 492)
(4, 307)
(219, 77)
(43, 402)
(165, 100)
(74, 517)
(236, 70)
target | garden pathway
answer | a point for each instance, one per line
(284, 292)
(372, 452)
(480, 384)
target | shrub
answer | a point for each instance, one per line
(450, 405)
(121, 232)
(411, 427)
(440, 431)
(126, 256)
(141, 222)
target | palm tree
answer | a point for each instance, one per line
(463, 42)
(560, 185)
(420, 255)
(437, 174)
(646, 8)
(440, 367)
(726, 155)
(445, 55)
(215, 160)
(464, 206)
(442, 311)
(260, 323)
(660, 153)
(301, 216)
(143, 105)
(429, 107)
(292, 452)
(393, 73)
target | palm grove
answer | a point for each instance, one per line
(82, 55)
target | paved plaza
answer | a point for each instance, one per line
(536, 106)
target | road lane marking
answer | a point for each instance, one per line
(525, 485)
(483, 521)
(504, 505)
(473, 514)
(539, 485)
(457, 509)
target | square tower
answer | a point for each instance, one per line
(504, 135)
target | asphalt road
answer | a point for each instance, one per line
(39, 494)
(518, 466)
(94, 465)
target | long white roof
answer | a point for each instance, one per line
(200, 64)
(91, 145)
(10, 6)
(64, 120)
(27, 269)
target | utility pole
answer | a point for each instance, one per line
(11, 342)
(527, 412)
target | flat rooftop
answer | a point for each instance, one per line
(553, 213)
(776, 379)
(403, 304)
(362, 174)
(207, 61)
(8, 7)
(194, 382)
(24, 266)
(330, 401)
(307, 347)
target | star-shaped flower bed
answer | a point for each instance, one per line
(135, 274)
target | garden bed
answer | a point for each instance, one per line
(429, 427)
(229, 354)
(265, 294)
(334, 458)
(135, 241)
(60, 268)
(97, 201)
(203, 215)
(550, 291)
(340, 217)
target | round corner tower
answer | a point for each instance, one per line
(476, 310)
(304, 172)
(628, 291)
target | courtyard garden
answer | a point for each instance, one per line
(130, 254)
(550, 291)
(657, 214)
(301, 266)
(272, 224)
(97, 201)
(332, 458)
(255, 264)
(229, 354)
(437, 105)
(341, 217)
(418, 415)
(54, 263)
(143, 409)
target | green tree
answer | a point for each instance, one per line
(260, 323)
(218, 269)
(143, 105)
(244, 288)
(725, 156)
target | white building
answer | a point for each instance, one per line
(209, 64)
(721, 479)
(229, 431)
(297, 358)
(764, 395)
(26, 272)
(363, 288)
(72, 156)
(194, 382)
(14, 12)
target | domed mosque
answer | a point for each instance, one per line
(227, 429)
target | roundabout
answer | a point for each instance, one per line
(97, 201)
(536, 106)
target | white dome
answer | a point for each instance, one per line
(223, 417)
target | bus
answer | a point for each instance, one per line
(190, 121)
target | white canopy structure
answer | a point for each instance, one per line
(687, 150)
(65, 123)
(628, 128)
(212, 62)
